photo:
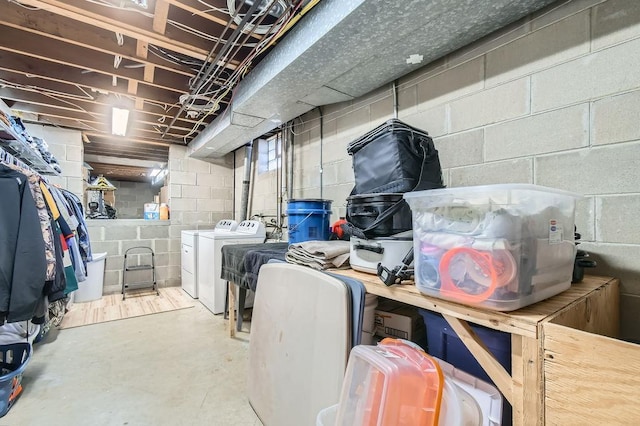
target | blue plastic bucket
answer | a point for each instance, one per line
(308, 220)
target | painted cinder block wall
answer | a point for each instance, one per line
(553, 99)
(131, 198)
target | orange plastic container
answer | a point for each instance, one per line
(392, 384)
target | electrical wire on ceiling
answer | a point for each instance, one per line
(194, 64)
(45, 91)
(121, 7)
(240, 72)
(206, 82)
(201, 34)
(264, 10)
(23, 5)
(213, 8)
(213, 82)
(244, 66)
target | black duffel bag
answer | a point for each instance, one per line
(395, 158)
(389, 160)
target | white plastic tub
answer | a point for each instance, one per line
(497, 246)
(91, 288)
(327, 416)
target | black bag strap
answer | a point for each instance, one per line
(424, 145)
(362, 233)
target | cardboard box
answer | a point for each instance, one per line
(151, 211)
(400, 321)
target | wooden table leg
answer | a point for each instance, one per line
(528, 384)
(232, 309)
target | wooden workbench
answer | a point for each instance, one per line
(591, 304)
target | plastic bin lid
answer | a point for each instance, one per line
(462, 190)
(395, 383)
(96, 257)
(478, 401)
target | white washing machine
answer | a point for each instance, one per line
(211, 288)
(190, 255)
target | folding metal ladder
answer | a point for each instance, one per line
(137, 260)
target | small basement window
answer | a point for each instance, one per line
(269, 154)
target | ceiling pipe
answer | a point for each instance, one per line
(246, 181)
(200, 77)
(394, 88)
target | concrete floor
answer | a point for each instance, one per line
(173, 368)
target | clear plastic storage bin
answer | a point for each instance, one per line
(397, 384)
(497, 246)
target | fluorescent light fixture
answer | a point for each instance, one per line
(119, 120)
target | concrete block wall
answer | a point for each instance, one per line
(264, 190)
(131, 197)
(553, 99)
(66, 145)
(116, 236)
(200, 193)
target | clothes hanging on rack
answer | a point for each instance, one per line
(23, 264)
(84, 244)
(43, 215)
(68, 215)
(44, 245)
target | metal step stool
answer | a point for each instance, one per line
(135, 260)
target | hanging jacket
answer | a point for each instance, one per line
(43, 215)
(56, 209)
(54, 289)
(23, 265)
(83, 233)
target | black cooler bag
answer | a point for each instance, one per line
(391, 159)
(395, 158)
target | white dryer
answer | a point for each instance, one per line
(189, 258)
(211, 288)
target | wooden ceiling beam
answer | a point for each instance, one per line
(132, 87)
(119, 144)
(21, 42)
(158, 157)
(199, 9)
(34, 72)
(155, 152)
(118, 139)
(49, 25)
(160, 16)
(126, 22)
(35, 100)
(98, 120)
(142, 49)
(149, 73)
(104, 128)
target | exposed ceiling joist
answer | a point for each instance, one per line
(199, 9)
(68, 62)
(105, 159)
(95, 107)
(131, 24)
(37, 73)
(24, 43)
(47, 24)
(160, 16)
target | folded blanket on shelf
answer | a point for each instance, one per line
(320, 254)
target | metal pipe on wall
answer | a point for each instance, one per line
(291, 164)
(321, 149)
(280, 142)
(248, 163)
(394, 88)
